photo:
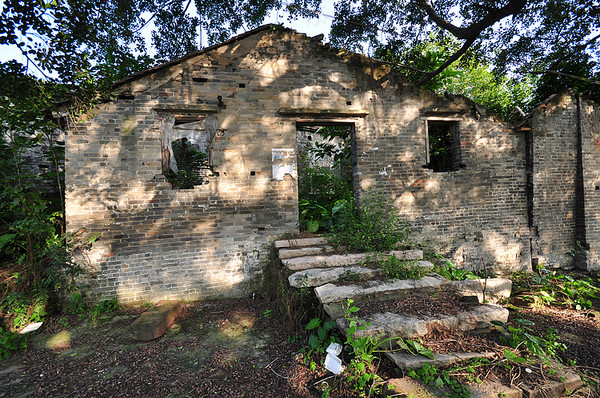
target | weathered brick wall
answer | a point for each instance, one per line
(158, 242)
(554, 181)
(590, 131)
(476, 215)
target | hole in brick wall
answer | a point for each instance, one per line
(199, 79)
(126, 96)
(242, 85)
(190, 166)
(252, 173)
(216, 174)
(443, 151)
(597, 188)
(348, 102)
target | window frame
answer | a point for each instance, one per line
(456, 148)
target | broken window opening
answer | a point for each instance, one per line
(187, 150)
(190, 166)
(325, 172)
(443, 146)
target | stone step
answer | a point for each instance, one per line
(496, 289)
(301, 242)
(305, 251)
(334, 297)
(340, 260)
(405, 360)
(320, 276)
(395, 325)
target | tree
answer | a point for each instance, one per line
(470, 75)
(514, 35)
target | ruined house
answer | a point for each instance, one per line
(506, 197)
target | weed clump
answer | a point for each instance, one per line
(373, 226)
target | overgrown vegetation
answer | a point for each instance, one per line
(323, 191)
(397, 268)
(373, 227)
(552, 287)
(190, 164)
(35, 252)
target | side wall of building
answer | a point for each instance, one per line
(590, 131)
(566, 183)
(158, 242)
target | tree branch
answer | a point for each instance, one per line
(554, 72)
(577, 48)
(439, 21)
(472, 31)
(448, 62)
(469, 33)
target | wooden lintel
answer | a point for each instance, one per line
(187, 108)
(444, 113)
(316, 112)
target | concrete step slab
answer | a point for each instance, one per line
(496, 289)
(407, 387)
(395, 325)
(334, 297)
(321, 276)
(562, 381)
(153, 323)
(305, 251)
(492, 389)
(301, 242)
(340, 260)
(405, 360)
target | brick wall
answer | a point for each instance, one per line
(590, 131)
(211, 241)
(476, 215)
(566, 208)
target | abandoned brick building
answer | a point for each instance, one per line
(509, 197)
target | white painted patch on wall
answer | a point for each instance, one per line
(284, 162)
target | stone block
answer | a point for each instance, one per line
(490, 389)
(301, 242)
(153, 323)
(321, 276)
(406, 360)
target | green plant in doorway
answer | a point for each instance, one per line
(373, 226)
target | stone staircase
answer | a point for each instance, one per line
(315, 265)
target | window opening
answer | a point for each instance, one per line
(443, 146)
(325, 173)
(190, 166)
(187, 150)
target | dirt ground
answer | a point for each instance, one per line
(229, 348)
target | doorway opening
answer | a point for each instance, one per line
(325, 173)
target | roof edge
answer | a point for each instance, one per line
(175, 61)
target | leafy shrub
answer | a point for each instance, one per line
(396, 268)
(322, 333)
(374, 226)
(549, 287)
(35, 253)
(323, 193)
(450, 272)
(105, 307)
(190, 162)
(10, 342)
